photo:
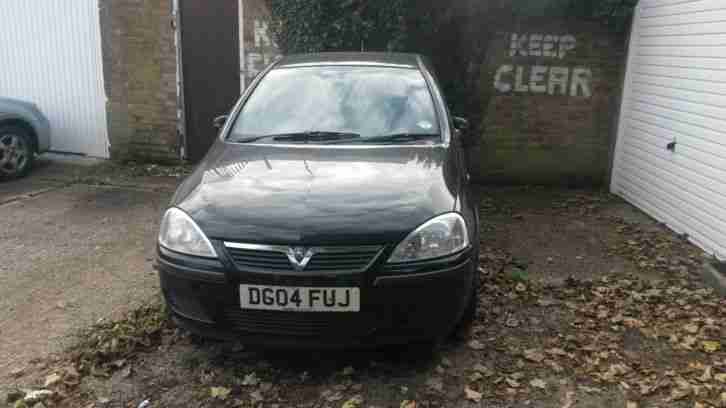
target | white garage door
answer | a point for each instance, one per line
(50, 54)
(670, 158)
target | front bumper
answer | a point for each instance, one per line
(398, 305)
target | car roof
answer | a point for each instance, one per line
(383, 59)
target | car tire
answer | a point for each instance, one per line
(470, 313)
(16, 151)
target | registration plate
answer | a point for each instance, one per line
(299, 299)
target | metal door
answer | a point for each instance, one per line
(210, 63)
(51, 55)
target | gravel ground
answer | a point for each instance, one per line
(584, 302)
(75, 248)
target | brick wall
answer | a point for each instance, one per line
(140, 77)
(258, 47)
(551, 90)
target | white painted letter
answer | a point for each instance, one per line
(499, 83)
(567, 44)
(536, 79)
(535, 45)
(518, 45)
(581, 78)
(559, 77)
(549, 46)
(262, 38)
(519, 85)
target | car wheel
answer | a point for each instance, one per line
(16, 152)
(469, 316)
(470, 313)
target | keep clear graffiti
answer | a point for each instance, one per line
(543, 79)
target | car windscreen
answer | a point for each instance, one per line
(367, 102)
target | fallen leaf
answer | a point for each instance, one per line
(408, 404)
(475, 377)
(720, 378)
(569, 400)
(435, 384)
(646, 389)
(711, 346)
(36, 396)
(679, 394)
(534, 355)
(472, 395)
(538, 383)
(615, 371)
(688, 342)
(484, 370)
(52, 380)
(556, 352)
(554, 366)
(706, 376)
(250, 380)
(257, 396)
(546, 302)
(691, 328)
(590, 390)
(476, 345)
(332, 396)
(220, 393)
(512, 382)
(521, 287)
(354, 402)
(126, 372)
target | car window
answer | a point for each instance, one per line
(367, 101)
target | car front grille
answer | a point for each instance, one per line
(309, 324)
(322, 260)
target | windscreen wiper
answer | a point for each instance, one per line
(399, 138)
(315, 136)
(310, 136)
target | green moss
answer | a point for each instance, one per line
(503, 160)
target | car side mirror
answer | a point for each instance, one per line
(462, 128)
(461, 124)
(219, 121)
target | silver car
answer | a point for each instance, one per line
(24, 133)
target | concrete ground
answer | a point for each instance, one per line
(75, 248)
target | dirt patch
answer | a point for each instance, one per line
(70, 256)
(579, 307)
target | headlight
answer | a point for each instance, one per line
(441, 236)
(180, 233)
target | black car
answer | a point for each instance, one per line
(333, 211)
